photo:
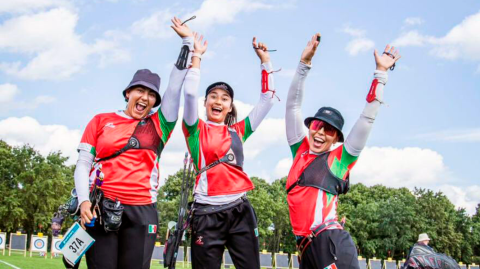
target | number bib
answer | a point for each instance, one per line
(75, 244)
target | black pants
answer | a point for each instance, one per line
(130, 247)
(330, 247)
(234, 228)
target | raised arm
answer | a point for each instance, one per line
(293, 114)
(171, 98)
(192, 80)
(357, 137)
(261, 109)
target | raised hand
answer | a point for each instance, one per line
(197, 45)
(261, 51)
(182, 30)
(310, 50)
(387, 59)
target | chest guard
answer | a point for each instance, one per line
(318, 175)
(144, 136)
(234, 154)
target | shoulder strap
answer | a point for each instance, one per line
(132, 143)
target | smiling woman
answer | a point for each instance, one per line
(319, 175)
(216, 146)
(119, 157)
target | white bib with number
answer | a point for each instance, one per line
(75, 244)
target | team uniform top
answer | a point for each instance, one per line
(133, 176)
(309, 206)
(208, 142)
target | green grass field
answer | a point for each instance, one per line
(37, 262)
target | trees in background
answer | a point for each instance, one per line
(384, 222)
(31, 188)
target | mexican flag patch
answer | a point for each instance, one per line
(331, 266)
(152, 229)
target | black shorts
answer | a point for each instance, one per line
(234, 228)
(328, 248)
(130, 247)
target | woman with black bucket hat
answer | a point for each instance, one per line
(222, 216)
(319, 174)
(119, 159)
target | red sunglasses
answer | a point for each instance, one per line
(316, 125)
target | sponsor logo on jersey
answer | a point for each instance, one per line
(152, 229)
(331, 266)
(256, 232)
(110, 125)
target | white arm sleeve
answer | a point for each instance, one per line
(82, 175)
(293, 114)
(190, 110)
(261, 109)
(171, 98)
(357, 137)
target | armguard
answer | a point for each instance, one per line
(182, 58)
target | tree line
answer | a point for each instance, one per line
(384, 222)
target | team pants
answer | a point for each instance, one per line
(234, 228)
(330, 247)
(130, 247)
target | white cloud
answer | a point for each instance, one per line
(412, 38)
(461, 42)
(360, 43)
(44, 138)
(283, 167)
(55, 50)
(412, 21)
(394, 167)
(353, 31)
(7, 92)
(210, 13)
(156, 25)
(22, 6)
(213, 12)
(459, 135)
(467, 198)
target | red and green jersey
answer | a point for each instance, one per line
(309, 206)
(207, 143)
(133, 176)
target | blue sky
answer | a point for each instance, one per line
(62, 62)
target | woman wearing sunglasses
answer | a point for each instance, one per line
(318, 174)
(222, 216)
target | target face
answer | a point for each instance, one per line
(1, 241)
(57, 245)
(39, 244)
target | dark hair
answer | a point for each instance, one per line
(231, 117)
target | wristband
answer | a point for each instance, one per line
(197, 55)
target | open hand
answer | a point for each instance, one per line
(182, 30)
(261, 50)
(310, 50)
(387, 59)
(198, 47)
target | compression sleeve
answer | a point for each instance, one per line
(82, 175)
(357, 137)
(293, 114)
(266, 102)
(171, 98)
(190, 110)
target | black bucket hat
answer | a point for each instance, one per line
(220, 85)
(331, 116)
(147, 79)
